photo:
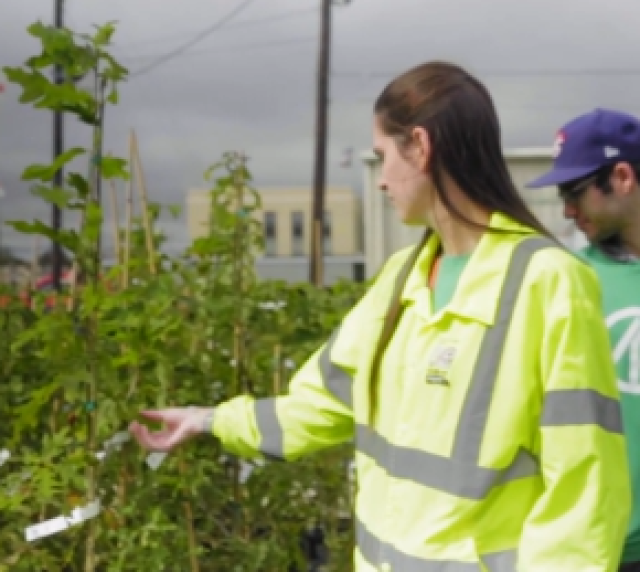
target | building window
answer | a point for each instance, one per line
(270, 233)
(297, 233)
(327, 243)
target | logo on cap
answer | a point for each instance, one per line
(558, 143)
(610, 152)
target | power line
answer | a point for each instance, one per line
(241, 24)
(196, 39)
(505, 73)
(237, 48)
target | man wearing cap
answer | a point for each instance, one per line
(597, 173)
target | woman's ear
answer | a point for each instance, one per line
(421, 148)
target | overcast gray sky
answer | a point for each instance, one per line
(250, 85)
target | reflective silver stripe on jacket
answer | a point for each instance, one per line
(581, 407)
(270, 429)
(335, 379)
(385, 555)
(464, 480)
(459, 474)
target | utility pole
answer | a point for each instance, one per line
(316, 259)
(58, 149)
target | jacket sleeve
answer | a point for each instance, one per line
(315, 413)
(317, 410)
(580, 520)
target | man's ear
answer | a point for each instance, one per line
(625, 177)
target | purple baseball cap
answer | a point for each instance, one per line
(591, 141)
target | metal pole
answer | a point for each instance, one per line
(58, 149)
(319, 176)
(1, 220)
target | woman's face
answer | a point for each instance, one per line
(403, 175)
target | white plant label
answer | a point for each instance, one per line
(60, 523)
(154, 460)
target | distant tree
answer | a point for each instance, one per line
(7, 257)
(45, 260)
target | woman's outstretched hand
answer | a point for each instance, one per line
(180, 425)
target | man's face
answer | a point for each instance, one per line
(598, 204)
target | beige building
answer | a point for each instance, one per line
(287, 223)
(384, 234)
(16, 274)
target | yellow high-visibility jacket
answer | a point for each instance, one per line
(497, 446)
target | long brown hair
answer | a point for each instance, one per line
(457, 112)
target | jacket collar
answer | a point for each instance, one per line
(478, 292)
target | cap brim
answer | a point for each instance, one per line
(560, 176)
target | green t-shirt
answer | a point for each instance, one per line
(620, 284)
(451, 268)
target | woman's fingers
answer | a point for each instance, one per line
(162, 440)
(178, 427)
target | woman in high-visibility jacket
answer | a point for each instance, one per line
(475, 375)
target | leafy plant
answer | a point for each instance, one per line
(150, 332)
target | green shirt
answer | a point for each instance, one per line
(449, 273)
(620, 284)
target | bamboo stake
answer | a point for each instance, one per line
(188, 513)
(237, 361)
(70, 302)
(123, 476)
(129, 217)
(135, 378)
(144, 203)
(91, 396)
(34, 260)
(116, 221)
(33, 279)
(277, 364)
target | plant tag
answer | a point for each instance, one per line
(60, 523)
(246, 469)
(156, 459)
(245, 472)
(115, 442)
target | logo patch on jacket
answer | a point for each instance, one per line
(440, 362)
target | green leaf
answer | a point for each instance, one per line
(38, 30)
(86, 115)
(93, 222)
(44, 60)
(67, 238)
(114, 167)
(113, 97)
(47, 172)
(175, 210)
(34, 84)
(115, 71)
(28, 414)
(104, 34)
(79, 183)
(58, 197)
(35, 227)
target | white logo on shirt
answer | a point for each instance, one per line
(440, 362)
(628, 346)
